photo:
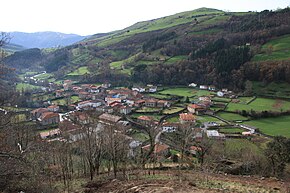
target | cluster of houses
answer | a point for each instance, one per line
(220, 93)
(111, 105)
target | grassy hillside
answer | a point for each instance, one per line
(205, 46)
(276, 49)
(201, 14)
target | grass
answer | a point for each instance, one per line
(220, 99)
(159, 96)
(273, 126)
(245, 100)
(156, 24)
(261, 104)
(280, 50)
(25, 86)
(44, 76)
(206, 118)
(172, 110)
(179, 91)
(80, 71)
(18, 118)
(231, 116)
(234, 147)
(174, 119)
(198, 93)
(111, 40)
(75, 99)
(140, 136)
(63, 101)
(231, 130)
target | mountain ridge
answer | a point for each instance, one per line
(45, 39)
(205, 46)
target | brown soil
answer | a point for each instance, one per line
(188, 182)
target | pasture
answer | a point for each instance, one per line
(80, 71)
(25, 86)
(261, 104)
(231, 130)
(231, 116)
(276, 49)
(273, 126)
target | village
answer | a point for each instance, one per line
(132, 110)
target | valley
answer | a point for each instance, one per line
(198, 101)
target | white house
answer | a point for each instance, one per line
(89, 104)
(220, 94)
(153, 89)
(169, 127)
(192, 85)
(203, 87)
(212, 88)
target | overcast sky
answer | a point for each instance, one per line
(86, 17)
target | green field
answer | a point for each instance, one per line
(206, 118)
(273, 126)
(231, 130)
(201, 15)
(80, 71)
(172, 110)
(43, 76)
(245, 100)
(140, 136)
(174, 119)
(18, 118)
(234, 147)
(231, 116)
(159, 96)
(276, 49)
(261, 104)
(220, 99)
(24, 86)
(63, 101)
(185, 92)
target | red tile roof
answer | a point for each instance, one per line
(157, 148)
(195, 106)
(40, 110)
(145, 118)
(48, 115)
(53, 106)
(186, 117)
(109, 117)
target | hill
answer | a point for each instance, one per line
(206, 46)
(11, 48)
(44, 39)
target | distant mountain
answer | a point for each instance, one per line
(44, 39)
(11, 48)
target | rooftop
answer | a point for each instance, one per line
(186, 117)
(109, 117)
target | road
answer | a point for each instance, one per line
(34, 77)
(5, 112)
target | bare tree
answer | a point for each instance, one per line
(204, 146)
(92, 145)
(117, 148)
